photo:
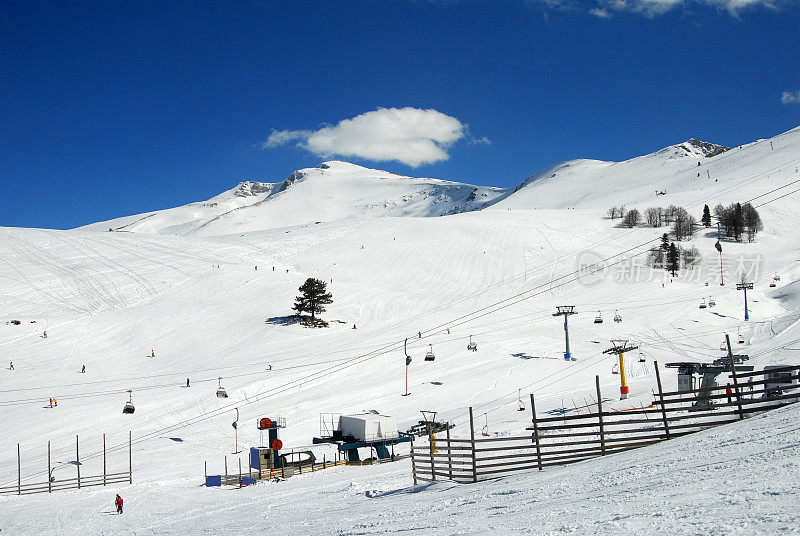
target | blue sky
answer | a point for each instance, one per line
(116, 108)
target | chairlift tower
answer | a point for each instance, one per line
(719, 248)
(619, 347)
(745, 286)
(408, 362)
(565, 311)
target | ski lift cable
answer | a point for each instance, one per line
(550, 284)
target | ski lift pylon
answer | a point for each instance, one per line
(599, 318)
(129, 407)
(429, 356)
(471, 346)
(221, 393)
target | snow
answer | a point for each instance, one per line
(183, 283)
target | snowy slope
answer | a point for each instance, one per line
(107, 299)
(721, 481)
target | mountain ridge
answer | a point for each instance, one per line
(337, 189)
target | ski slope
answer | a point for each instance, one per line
(184, 284)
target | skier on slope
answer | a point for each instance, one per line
(118, 503)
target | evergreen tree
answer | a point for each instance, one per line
(706, 219)
(665, 242)
(673, 259)
(313, 297)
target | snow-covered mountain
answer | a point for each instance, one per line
(213, 302)
(338, 190)
(329, 192)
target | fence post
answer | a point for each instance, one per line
(735, 379)
(226, 469)
(19, 471)
(205, 470)
(536, 434)
(130, 456)
(600, 416)
(430, 451)
(104, 459)
(449, 454)
(323, 461)
(240, 472)
(413, 463)
(661, 398)
(78, 461)
(49, 477)
(472, 442)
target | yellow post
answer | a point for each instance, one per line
(623, 387)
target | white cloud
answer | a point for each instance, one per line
(409, 135)
(791, 97)
(281, 137)
(600, 12)
(652, 8)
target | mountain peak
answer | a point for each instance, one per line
(705, 148)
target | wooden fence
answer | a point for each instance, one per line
(52, 484)
(573, 438)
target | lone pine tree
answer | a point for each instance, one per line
(673, 259)
(314, 296)
(706, 219)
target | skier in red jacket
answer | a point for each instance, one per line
(118, 503)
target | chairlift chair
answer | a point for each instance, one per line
(617, 317)
(776, 277)
(221, 393)
(520, 404)
(741, 337)
(471, 346)
(485, 429)
(772, 284)
(129, 407)
(615, 369)
(703, 305)
(599, 318)
(723, 346)
(641, 357)
(429, 356)
(711, 302)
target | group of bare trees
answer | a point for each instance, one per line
(683, 224)
(737, 220)
(616, 212)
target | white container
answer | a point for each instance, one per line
(368, 427)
